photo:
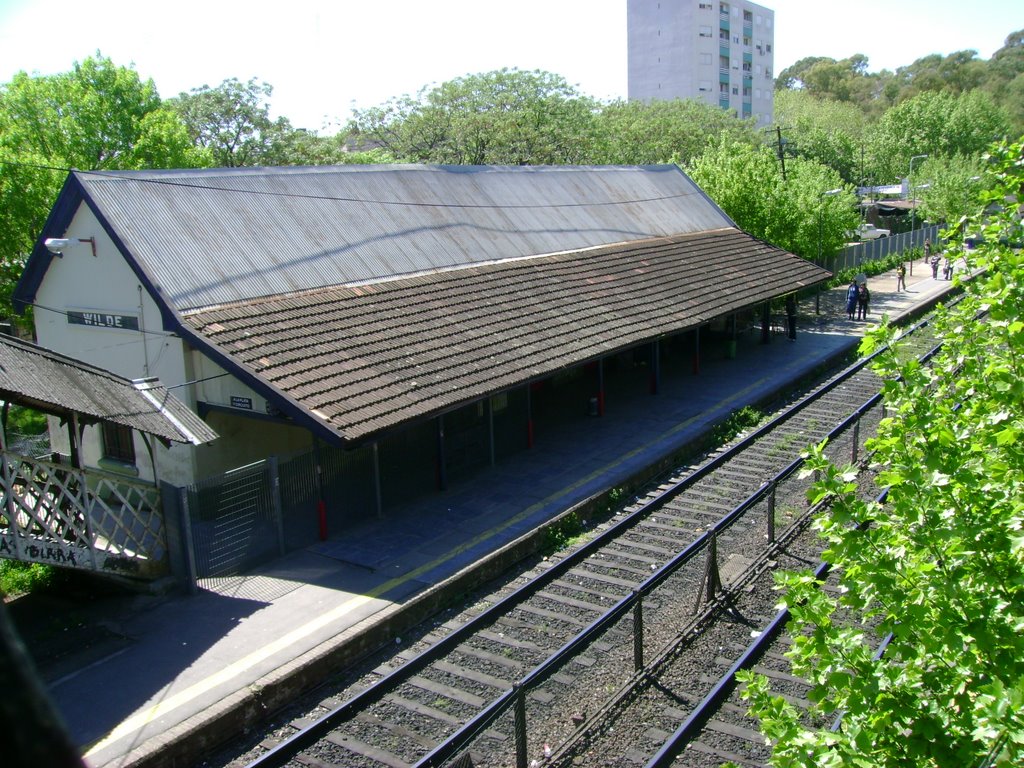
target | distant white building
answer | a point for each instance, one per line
(721, 52)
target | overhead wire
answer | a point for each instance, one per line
(346, 199)
(162, 334)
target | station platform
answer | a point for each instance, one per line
(167, 678)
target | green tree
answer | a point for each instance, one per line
(936, 124)
(505, 117)
(792, 77)
(829, 132)
(1005, 79)
(792, 212)
(940, 564)
(650, 133)
(957, 73)
(232, 122)
(97, 116)
(302, 147)
(846, 80)
(951, 188)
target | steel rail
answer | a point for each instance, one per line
(711, 703)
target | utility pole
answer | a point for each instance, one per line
(782, 155)
(779, 151)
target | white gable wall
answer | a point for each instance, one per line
(104, 292)
(94, 308)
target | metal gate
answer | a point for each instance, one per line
(234, 521)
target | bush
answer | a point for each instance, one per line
(876, 267)
(25, 421)
(18, 578)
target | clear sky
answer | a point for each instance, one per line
(325, 56)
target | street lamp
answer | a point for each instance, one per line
(821, 198)
(910, 192)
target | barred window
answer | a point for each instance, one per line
(118, 443)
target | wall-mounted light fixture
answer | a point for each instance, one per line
(58, 244)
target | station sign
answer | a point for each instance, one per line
(104, 320)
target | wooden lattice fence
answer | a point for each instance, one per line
(88, 519)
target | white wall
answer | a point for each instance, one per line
(104, 285)
(247, 426)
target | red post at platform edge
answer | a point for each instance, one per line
(321, 512)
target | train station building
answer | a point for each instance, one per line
(407, 324)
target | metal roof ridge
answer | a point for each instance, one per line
(290, 170)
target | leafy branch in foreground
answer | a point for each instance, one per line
(940, 564)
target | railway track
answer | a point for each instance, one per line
(686, 711)
(525, 676)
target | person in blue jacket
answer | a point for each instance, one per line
(851, 300)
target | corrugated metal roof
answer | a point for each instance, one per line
(216, 236)
(367, 358)
(41, 378)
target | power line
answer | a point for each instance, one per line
(197, 381)
(162, 334)
(341, 199)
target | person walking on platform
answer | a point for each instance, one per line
(947, 268)
(901, 277)
(791, 316)
(935, 266)
(851, 300)
(927, 251)
(863, 297)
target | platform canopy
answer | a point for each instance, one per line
(366, 358)
(43, 380)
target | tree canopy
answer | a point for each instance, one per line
(849, 80)
(97, 116)
(937, 124)
(232, 122)
(793, 212)
(505, 117)
(939, 564)
(679, 131)
(830, 132)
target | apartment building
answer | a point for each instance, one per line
(713, 50)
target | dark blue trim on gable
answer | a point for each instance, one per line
(68, 200)
(71, 197)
